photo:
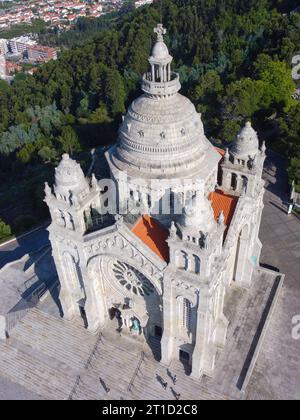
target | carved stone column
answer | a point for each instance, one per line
(95, 307)
(169, 318)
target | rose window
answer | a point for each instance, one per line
(132, 279)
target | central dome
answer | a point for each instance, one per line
(162, 135)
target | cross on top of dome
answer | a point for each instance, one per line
(160, 31)
(160, 80)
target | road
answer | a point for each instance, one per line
(22, 246)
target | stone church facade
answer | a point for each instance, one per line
(164, 273)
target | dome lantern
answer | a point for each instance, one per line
(160, 81)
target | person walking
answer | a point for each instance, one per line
(165, 385)
(174, 379)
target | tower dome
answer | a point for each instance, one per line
(198, 214)
(162, 135)
(69, 177)
(246, 143)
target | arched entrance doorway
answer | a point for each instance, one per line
(131, 301)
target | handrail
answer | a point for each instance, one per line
(142, 358)
(86, 366)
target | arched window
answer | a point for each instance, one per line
(172, 201)
(244, 183)
(234, 182)
(186, 314)
(197, 264)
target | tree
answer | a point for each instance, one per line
(5, 230)
(47, 154)
(229, 130)
(114, 93)
(68, 140)
(278, 82)
(294, 171)
(243, 98)
(100, 116)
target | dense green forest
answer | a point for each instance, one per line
(234, 58)
(84, 28)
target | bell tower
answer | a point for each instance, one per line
(194, 323)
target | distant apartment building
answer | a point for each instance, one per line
(20, 44)
(41, 54)
(140, 3)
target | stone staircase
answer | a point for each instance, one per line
(44, 354)
(57, 359)
(147, 385)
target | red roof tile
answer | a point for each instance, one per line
(226, 202)
(221, 151)
(154, 235)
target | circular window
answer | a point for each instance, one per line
(130, 278)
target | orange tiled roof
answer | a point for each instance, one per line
(221, 151)
(226, 202)
(154, 235)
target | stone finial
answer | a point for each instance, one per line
(173, 230)
(119, 219)
(160, 31)
(293, 192)
(221, 218)
(226, 154)
(244, 190)
(94, 182)
(48, 190)
(205, 241)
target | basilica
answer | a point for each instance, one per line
(173, 229)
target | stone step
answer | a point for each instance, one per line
(53, 336)
(33, 374)
(58, 359)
